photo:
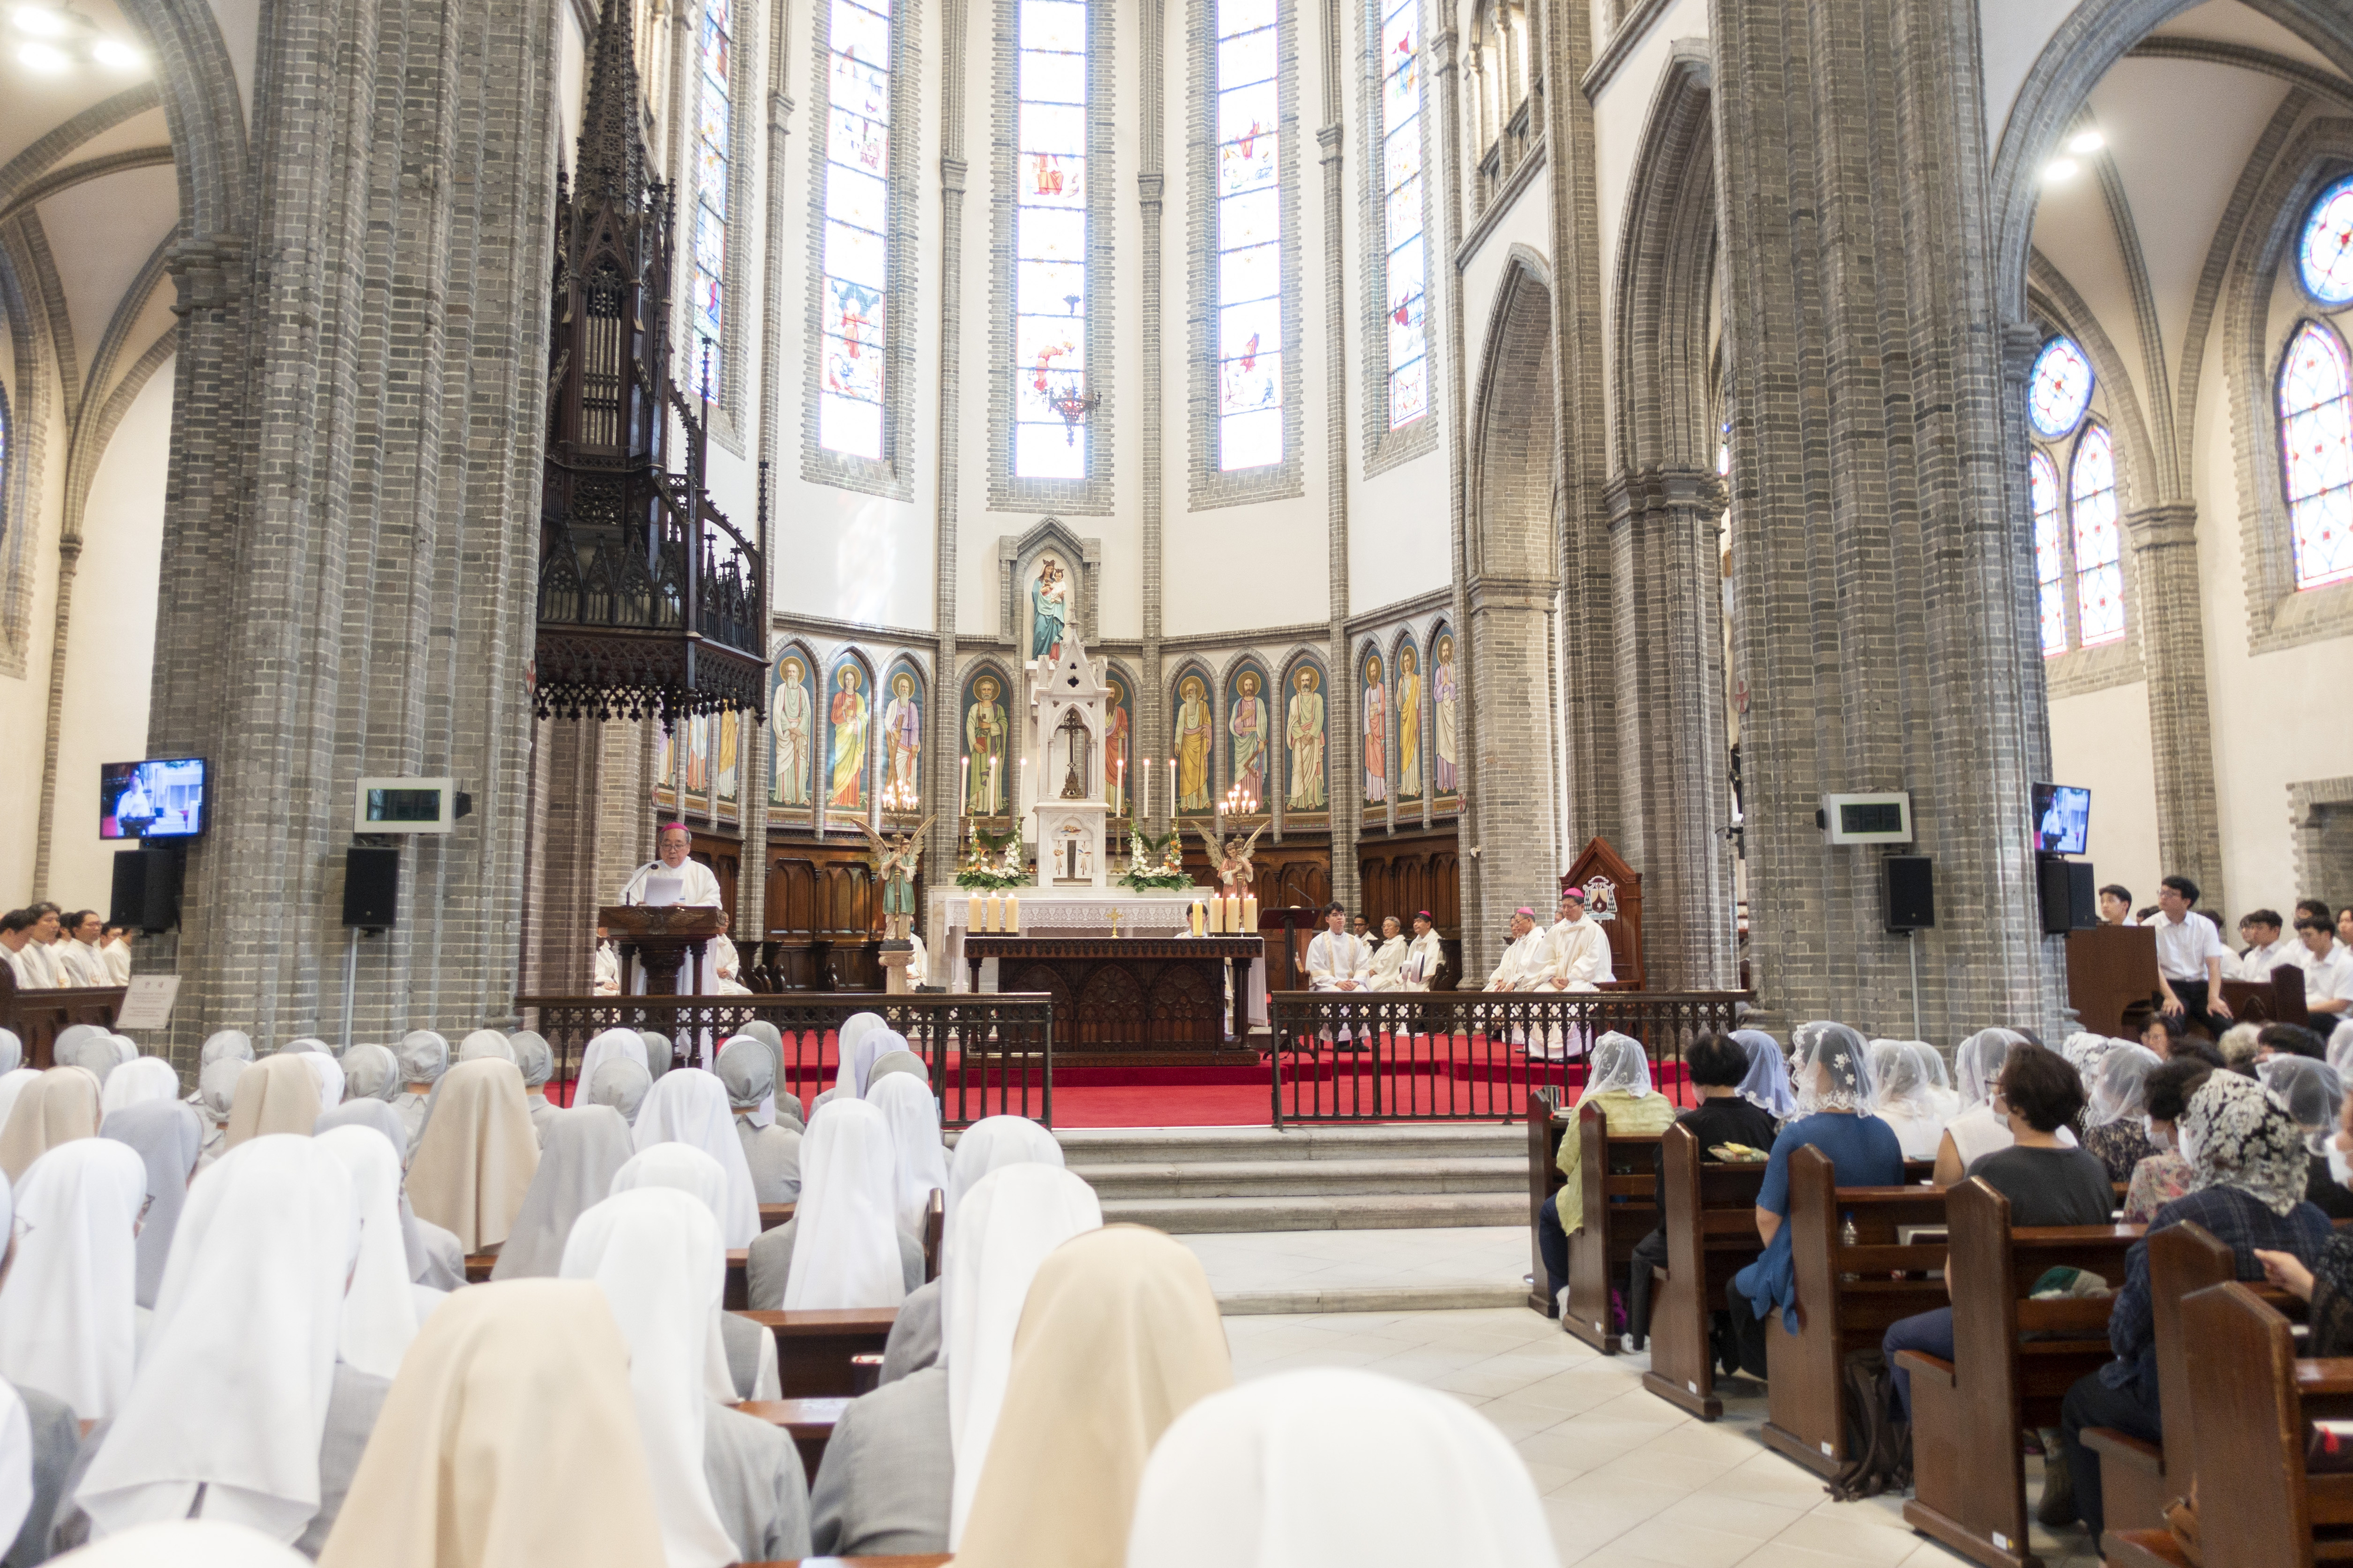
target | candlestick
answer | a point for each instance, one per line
(1012, 913)
(996, 913)
(1249, 914)
(1119, 781)
(964, 786)
(975, 912)
(994, 762)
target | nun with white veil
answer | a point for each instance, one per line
(843, 1248)
(167, 1137)
(855, 1056)
(614, 1045)
(989, 1144)
(382, 1306)
(68, 1308)
(1336, 1467)
(14, 1074)
(40, 1426)
(327, 1073)
(750, 1351)
(768, 1035)
(688, 1106)
(921, 1166)
(436, 1261)
(215, 1099)
(903, 1460)
(727, 1487)
(222, 1045)
(244, 1409)
(370, 1072)
(746, 1068)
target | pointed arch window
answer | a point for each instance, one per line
(1402, 210)
(714, 166)
(2315, 411)
(2099, 538)
(2050, 558)
(2325, 250)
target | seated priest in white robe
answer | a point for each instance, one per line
(1338, 960)
(1528, 961)
(1425, 956)
(605, 977)
(726, 968)
(1580, 948)
(1387, 971)
(116, 950)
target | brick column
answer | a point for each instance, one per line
(1881, 559)
(1152, 680)
(348, 578)
(1669, 617)
(2164, 541)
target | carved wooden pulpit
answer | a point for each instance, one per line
(664, 938)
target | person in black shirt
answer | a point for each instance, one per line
(1717, 1064)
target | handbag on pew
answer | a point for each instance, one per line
(1879, 1440)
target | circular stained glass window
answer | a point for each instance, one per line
(2325, 254)
(2060, 389)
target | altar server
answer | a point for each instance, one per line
(1338, 959)
(1425, 955)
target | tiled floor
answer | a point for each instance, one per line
(1478, 1263)
(1629, 1480)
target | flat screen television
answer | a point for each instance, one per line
(2062, 819)
(163, 799)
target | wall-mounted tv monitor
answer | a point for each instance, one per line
(162, 799)
(2062, 819)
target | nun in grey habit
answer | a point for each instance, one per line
(748, 1069)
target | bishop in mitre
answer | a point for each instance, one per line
(673, 878)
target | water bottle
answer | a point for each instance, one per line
(1847, 1238)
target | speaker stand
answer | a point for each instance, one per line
(1911, 945)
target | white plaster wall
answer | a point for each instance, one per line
(2010, 35)
(111, 644)
(2101, 741)
(1527, 223)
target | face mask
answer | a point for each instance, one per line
(2161, 1137)
(2340, 1164)
(1999, 1109)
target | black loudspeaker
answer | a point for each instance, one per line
(146, 890)
(2069, 901)
(1910, 883)
(371, 887)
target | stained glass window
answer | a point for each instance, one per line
(2099, 541)
(856, 284)
(1401, 184)
(2060, 389)
(2050, 564)
(2325, 254)
(1049, 239)
(713, 150)
(1249, 235)
(2316, 403)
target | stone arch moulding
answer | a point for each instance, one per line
(1016, 556)
(2096, 35)
(208, 125)
(2279, 615)
(2320, 817)
(1662, 412)
(1517, 345)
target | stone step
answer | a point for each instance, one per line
(1306, 1178)
(1373, 1299)
(1368, 1211)
(1398, 1144)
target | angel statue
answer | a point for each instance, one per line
(1232, 857)
(896, 858)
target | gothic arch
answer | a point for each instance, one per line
(1018, 556)
(1512, 473)
(1664, 412)
(1279, 718)
(1193, 668)
(205, 118)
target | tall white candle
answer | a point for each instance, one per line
(964, 786)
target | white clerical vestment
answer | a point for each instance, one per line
(79, 963)
(1424, 958)
(697, 886)
(1525, 963)
(726, 969)
(20, 965)
(118, 963)
(1388, 973)
(607, 981)
(1332, 959)
(1580, 955)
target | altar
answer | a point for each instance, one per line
(1131, 1001)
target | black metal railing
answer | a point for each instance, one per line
(1468, 1056)
(988, 1055)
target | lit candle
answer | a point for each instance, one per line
(964, 786)
(975, 912)
(996, 913)
(993, 763)
(1013, 913)
(1249, 914)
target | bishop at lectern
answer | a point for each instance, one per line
(673, 878)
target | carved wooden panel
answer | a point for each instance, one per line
(1297, 871)
(1409, 873)
(824, 916)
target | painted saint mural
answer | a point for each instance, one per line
(727, 776)
(1408, 709)
(902, 739)
(1191, 734)
(1302, 734)
(792, 732)
(1376, 732)
(846, 720)
(698, 756)
(986, 733)
(1442, 710)
(1119, 764)
(1246, 722)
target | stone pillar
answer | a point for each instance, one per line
(2172, 631)
(1669, 617)
(947, 691)
(1152, 681)
(349, 559)
(1882, 559)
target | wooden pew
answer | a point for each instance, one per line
(935, 1225)
(2138, 1477)
(1544, 1180)
(773, 1214)
(814, 1349)
(1711, 1219)
(2014, 1358)
(810, 1422)
(1620, 1177)
(1806, 1372)
(2250, 1400)
(739, 1264)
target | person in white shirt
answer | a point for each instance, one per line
(2189, 956)
(78, 956)
(39, 951)
(2327, 972)
(2115, 906)
(1338, 959)
(726, 967)
(606, 975)
(114, 946)
(2267, 947)
(2318, 910)
(16, 943)
(1389, 959)
(1579, 949)
(1425, 956)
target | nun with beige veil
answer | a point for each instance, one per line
(55, 1108)
(506, 1386)
(475, 1154)
(276, 1094)
(1120, 1336)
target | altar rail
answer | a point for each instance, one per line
(987, 1055)
(1463, 1056)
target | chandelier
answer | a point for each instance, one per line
(1074, 404)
